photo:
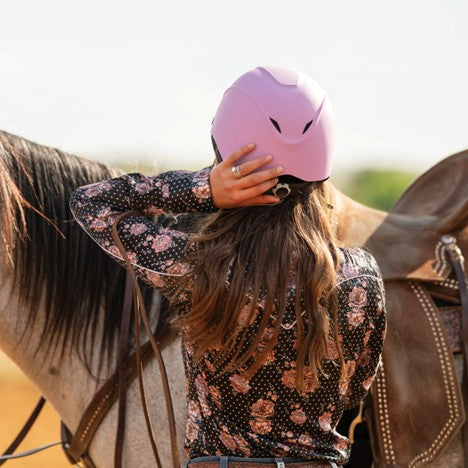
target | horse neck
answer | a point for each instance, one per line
(68, 386)
(64, 382)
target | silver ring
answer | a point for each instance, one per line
(235, 170)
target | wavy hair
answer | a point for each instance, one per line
(261, 251)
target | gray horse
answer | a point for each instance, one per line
(61, 297)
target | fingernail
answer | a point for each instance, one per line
(279, 169)
(251, 145)
(269, 157)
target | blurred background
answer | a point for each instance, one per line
(136, 84)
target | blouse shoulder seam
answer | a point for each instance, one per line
(358, 276)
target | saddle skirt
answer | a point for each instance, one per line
(417, 400)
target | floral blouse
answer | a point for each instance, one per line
(227, 414)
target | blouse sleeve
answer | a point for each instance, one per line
(155, 251)
(366, 327)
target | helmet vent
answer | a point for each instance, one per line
(276, 124)
(308, 124)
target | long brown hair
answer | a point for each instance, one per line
(261, 251)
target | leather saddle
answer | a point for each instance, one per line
(417, 401)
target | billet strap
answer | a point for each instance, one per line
(76, 447)
(458, 262)
(124, 335)
(141, 312)
(24, 431)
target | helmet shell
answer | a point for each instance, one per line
(286, 114)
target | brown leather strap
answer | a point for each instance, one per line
(141, 383)
(140, 305)
(101, 403)
(457, 260)
(26, 428)
(123, 371)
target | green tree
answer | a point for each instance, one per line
(377, 188)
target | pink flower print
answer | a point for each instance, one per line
(143, 187)
(269, 358)
(267, 335)
(368, 382)
(227, 439)
(344, 387)
(357, 297)
(132, 256)
(202, 387)
(215, 396)
(114, 250)
(325, 421)
(260, 425)
(350, 369)
(161, 243)
(348, 270)
(104, 213)
(298, 416)
(98, 225)
(289, 378)
(202, 192)
(104, 186)
(93, 190)
(263, 409)
(379, 307)
(206, 410)
(341, 444)
(242, 445)
(356, 317)
(239, 384)
(193, 411)
(178, 269)
(191, 430)
(209, 365)
(305, 439)
(138, 228)
(155, 278)
(153, 211)
(309, 384)
(243, 318)
(367, 337)
(165, 191)
(364, 358)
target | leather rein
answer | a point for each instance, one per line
(76, 446)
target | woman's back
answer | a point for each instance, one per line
(265, 416)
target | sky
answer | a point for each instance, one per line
(115, 80)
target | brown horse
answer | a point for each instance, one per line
(61, 296)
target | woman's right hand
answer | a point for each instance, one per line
(229, 191)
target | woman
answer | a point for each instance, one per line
(283, 327)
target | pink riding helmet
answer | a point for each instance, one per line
(286, 114)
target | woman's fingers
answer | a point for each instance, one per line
(229, 191)
(250, 166)
(231, 160)
(259, 177)
(258, 189)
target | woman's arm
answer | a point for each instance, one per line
(367, 337)
(154, 250)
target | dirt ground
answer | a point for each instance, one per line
(18, 396)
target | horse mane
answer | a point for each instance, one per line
(54, 263)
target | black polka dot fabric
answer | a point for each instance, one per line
(264, 416)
